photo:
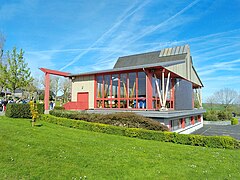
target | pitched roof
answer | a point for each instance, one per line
(163, 64)
(165, 55)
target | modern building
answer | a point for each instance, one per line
(159, 85)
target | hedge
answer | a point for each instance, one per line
(58, 108)
(220, 115)
(124, 119)
(187, 139)
(15, 110)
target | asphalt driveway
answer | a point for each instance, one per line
(220, 130)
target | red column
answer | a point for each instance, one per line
(199, 118)
(149, 90)
(95, 91)
(183, 123)
(47, 89)
(192, 120)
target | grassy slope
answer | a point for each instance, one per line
(55, 152)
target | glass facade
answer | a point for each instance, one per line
(129, 90)
(123, 90)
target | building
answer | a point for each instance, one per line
(159, 85)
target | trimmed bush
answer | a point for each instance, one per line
(234, 121)
(187, 139)
(124, 119)
(15, 110)
(40, 108)
(18, 110)
(58, 108)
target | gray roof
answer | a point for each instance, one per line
(165, 55)
(162, 64)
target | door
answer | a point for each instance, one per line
(82, 99)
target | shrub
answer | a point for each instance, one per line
(40, 108)
(126, 119)
(224, 115)
(58, 108)
(234, 121)
(15, 110)
(18, 110)
(210, 116)
(187, 139)
(213, 115)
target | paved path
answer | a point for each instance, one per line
(220, 130)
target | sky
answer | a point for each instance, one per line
(87, 35)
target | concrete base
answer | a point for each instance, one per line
(224, 123)
(46, 111)
(190, 129)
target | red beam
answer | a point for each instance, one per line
(54, 72)
(47, 83)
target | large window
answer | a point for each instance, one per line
(187, 121)
(123, 85)
(99, 86)
(141, 90)
(157, 84)
(176, 124)
(124, 90)
(99, 91)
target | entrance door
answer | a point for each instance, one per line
(82, 99)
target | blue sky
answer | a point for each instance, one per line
(84, 35)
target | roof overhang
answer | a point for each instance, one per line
(54, 72)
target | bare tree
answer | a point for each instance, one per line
(211, 100)
(226, 97)
(55, 86)
(65, 89)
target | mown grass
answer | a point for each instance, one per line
(55, 152)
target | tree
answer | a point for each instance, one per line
(226, 97)
(2, 41)
(66, 89)
(211, 100)
(2, 66)
(18, 73)
(3, 77)
(55, 86)
(31, 90)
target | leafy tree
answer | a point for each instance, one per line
(2, 41)
(18, 73)
(3, 77)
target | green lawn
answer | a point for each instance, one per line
(55, 152)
